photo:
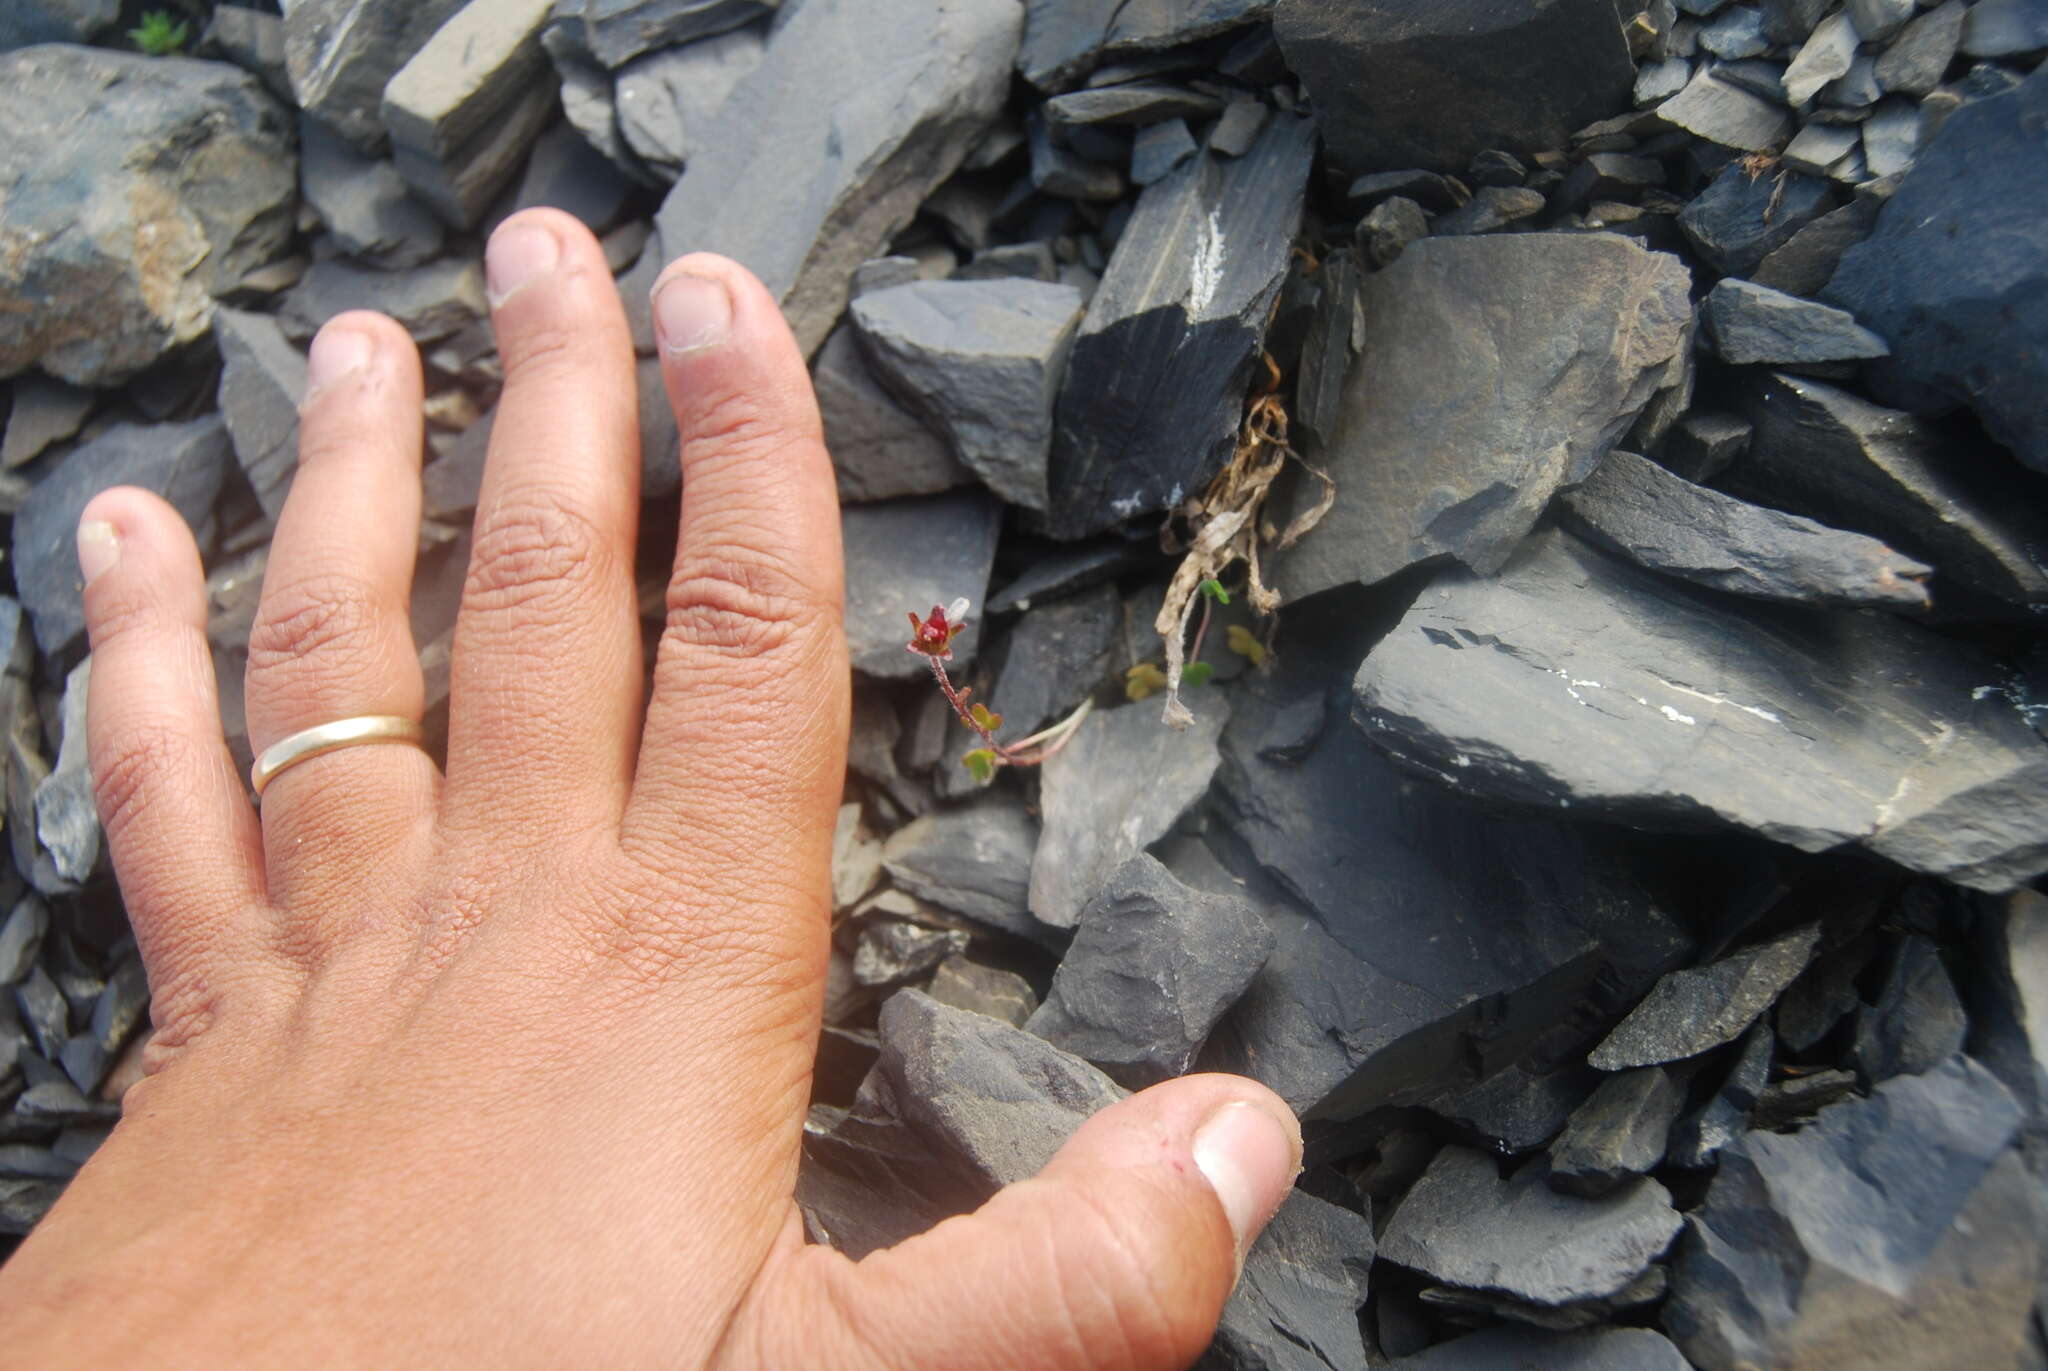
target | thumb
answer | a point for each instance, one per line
(1119, 1254)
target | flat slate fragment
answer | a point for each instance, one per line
(974, 859)
(1894, 1231)
(903, 557)
(1748, 323)
(341, 54)
(1064, 39)
(669, 99)
(895, 97)
(1589, 684)
(1153, 393)
(1432, 82)
(184, 463)
(363, 201)
(1953, 277)
(1114, 790)
(152, 186)
(431, 302)
(981, 360)
(1494, 371)
(1407, 983)
(879, 449)
(1720, 111)
(1833, 456)
(1619, 1132)
(1659, 520)
(1152, 967)
(263, 379)
(1521, 1349)
(615, 32)
(1739, 219)
(1696, 1010)
(1463, 1225)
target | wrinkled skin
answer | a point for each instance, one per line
(506, 1067)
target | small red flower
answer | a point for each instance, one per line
(933, 637)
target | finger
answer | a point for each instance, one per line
(546, 674)
(1121, 1252)
(178, 823)
(743, 753)
(332, 638)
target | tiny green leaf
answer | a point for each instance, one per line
(161, 33)
(1213, 588)
(985, 718)
(1195, 673)
(1245, 643)
(980, 764)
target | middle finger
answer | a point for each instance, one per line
(545, 679)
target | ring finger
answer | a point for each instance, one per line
(332, 639)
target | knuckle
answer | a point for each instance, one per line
(735, 425)
(1108, 1276)
(330, 617)
(738, 605)
(139, 766)
(654, 937)
(532, 554)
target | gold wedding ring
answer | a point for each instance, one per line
(286, 753)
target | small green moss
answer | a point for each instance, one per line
(161, 33)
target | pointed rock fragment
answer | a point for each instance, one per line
(1154, 389)
(1698, 1009)
(263, 379)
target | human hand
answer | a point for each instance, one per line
(508, 1068)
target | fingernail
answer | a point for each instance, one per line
(1250, 1160)
(337, 353)
(518, 255)
(99, 547)
(691, 313)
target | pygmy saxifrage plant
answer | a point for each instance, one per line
(932, 639)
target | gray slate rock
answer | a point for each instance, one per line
(1703, 444)
(1388, 228)
(1620, 1132)
(1720, 111)
(464, 110)
(1952, 277)
(1825, 55)
(1152, 967)
(44, 411)
(1116, 788)
(974, 859)
(1521, 1349)
(1735, 33)
(1586, 683)
(891, 951)
(253, 40)
(262, 381)
(999, 994)
(2008, 997)
(1154, 390)
(1065, 39)
(1407, 983)
(982, 361)
(1460, 420)
(1919, 57)
(1748, 323)
(1698, 1009)
(880, 450)
(668, 100)
(564, 172)
(615, 32)
(67, 819)
(1738, 220)
(1700, 1136)
(1137, 103)
(2006, 28)
(1895, 1231)
(24, 22)
(157, 184)
(903, 557)
(1917, 1021)
(1463, 1225)
(184, 463)
(342, 53)
(1400, 83)
(1515, 1110)
(896, 95)
(364, 202)
(21, 936)
(1061, 171)
(995, 1103)
(1803, 263)
(1835, 457)
(1162, 147)
(430, 302)
(1491, 209)
(1634, 507)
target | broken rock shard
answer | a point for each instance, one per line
(1155, 381)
